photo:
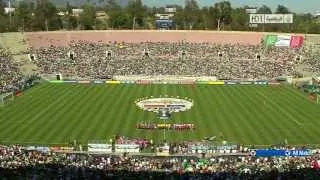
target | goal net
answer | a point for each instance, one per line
(6, 98)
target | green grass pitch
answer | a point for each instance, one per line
(58, 113)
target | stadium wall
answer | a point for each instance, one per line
(63, 38)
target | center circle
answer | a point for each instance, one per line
(164, 106)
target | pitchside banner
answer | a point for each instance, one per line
(113, 82)
(283, 41)
(144, 82)
(268, 153)
(216, 82)
(101, 148)
(271, 18)
(134, 148)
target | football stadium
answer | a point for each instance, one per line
(156, 102)
(250, 109)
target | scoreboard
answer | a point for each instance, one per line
(164, 21)
(164, 24)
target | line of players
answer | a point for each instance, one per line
(152, 126)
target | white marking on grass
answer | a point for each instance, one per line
(292, 118)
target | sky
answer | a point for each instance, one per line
(299, 6)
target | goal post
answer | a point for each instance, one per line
(6, 98)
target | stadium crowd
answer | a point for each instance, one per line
(17, 162)
(89, 60)
(98, 60)
(311, 62)
(10, 73)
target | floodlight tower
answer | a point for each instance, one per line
(10, 20)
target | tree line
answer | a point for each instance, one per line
(42, 15)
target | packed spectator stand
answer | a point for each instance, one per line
(97, 60)
(10, 73)
(18, 162)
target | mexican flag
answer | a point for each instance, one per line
(289, 41)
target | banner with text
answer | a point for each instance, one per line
(268, 153)
(271, 18)
(134, 148)
(100, 148)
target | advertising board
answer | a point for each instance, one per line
(113, 82)
(269, 153)
(98, 82)
(83, 82)
(216, 82)
(69, 81)
(127, 148)
(101, 148)
(271, 19)
(246, 82)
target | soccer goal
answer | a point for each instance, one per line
(6, 98)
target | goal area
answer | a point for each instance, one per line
(6, 98)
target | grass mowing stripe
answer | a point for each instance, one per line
(284, 110)
(268, 116)
(281, 122)
(305, 112)
(102, 131)
(209, 120)
(95, 113)
(241, 104)
(286, 103)
(128, 125)
(216, 115)
(231, 101)
(70, 118)
(141, 114)
(193, 117)
(280, 108)
(297, 108)
(8, 122)
(117, 111)
(156, 92)
(224, 108)
(33, 114)
(260, 115)
(149, 90)
(26, 130)
(88, 116)
(239, 118)
(176, 117)
(298, 95)
(171, 135)
(49, 131)
(183, 118)
(23, 104)
(70, 125)
(200, 111)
